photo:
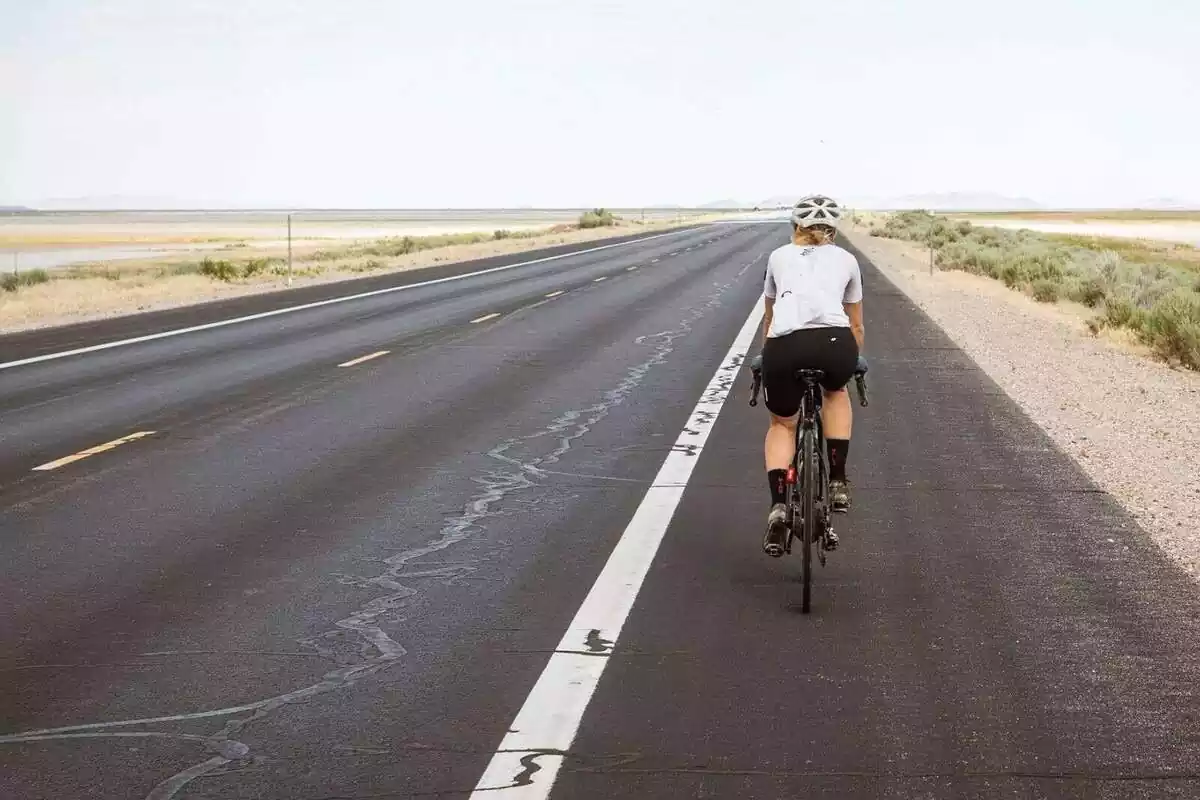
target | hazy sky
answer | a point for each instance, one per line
(615, 102)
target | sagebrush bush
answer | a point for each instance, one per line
(1046, 290)
(219, 270)
(229, 271)
(597, 218)
(13, 281)
(1172, 327)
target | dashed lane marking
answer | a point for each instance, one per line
(91, 451)
(367, 357)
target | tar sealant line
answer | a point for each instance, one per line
(529, 756)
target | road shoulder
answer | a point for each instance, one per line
(1131, 423)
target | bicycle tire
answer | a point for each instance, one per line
(822, 505)
(808, 512)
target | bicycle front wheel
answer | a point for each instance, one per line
(808, 510)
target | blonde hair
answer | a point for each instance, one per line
(815, 236)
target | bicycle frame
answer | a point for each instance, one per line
(809, 421)
(807, 494)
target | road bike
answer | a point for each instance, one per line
(809, 515)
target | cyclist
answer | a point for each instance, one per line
(813, 296)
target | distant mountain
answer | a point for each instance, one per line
(727, 203)
(785, 200)
(10, 209)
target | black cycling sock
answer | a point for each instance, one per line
(776, 478)
(838, 450)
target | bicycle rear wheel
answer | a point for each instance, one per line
(808, 510)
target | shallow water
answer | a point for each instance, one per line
(54, 258)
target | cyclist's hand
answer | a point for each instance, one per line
(861, 367)
(756, 363)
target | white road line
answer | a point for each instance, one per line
(546, 725)
(361, 359)
(601, 278)
(556, 294)
(317, 304)
(654, 261)
(631, 269)
(485, 318)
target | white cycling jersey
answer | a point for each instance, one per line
(809, 284)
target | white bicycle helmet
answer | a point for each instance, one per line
(817, 209)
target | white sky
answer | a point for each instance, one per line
(398, 103)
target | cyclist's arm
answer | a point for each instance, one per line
(769, 302)
(854, 312)
(768, 299)
(852, 303)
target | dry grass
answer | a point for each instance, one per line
(99, 291)
(1138, 251)
(912, 259)
(1150, 289)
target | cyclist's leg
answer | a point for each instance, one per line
(839, 355)
(782, 395)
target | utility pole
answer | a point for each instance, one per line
(289, 278)
(931, 219)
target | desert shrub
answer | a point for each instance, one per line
(1045, 290)
(1172, 327)
(13, 281)
(597, 218)
(220, 270)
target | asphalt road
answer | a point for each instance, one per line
(302, 580)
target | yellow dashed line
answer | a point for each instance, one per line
(91, 451)
(484, 318)
(365, 358)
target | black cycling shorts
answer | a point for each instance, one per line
(833, 350)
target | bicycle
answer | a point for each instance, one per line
(808, 474)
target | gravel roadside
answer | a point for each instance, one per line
(1075, 386)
